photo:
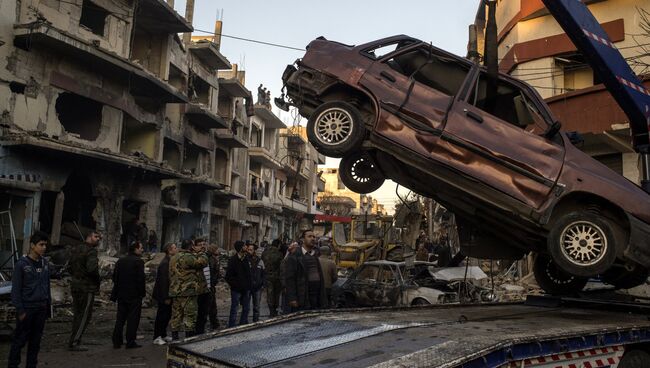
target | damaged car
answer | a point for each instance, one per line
(387, 283)
(488, 149)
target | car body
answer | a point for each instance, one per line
(490, 151)
(387, 283)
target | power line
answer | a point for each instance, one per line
(252, 40)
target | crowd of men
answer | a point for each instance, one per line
(296, 276)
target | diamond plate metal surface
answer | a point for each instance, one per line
(271, 345)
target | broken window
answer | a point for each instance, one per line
(196, 159)
(381, 50)
(177, 78)
(368, 273)
(79, 115)
(426, 67)
(199, 90)
(172, 154)
(93, 17)
(139, 138)
(220, 165)
(510, 104)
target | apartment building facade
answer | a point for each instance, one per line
(534, 48)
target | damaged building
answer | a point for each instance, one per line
(114, 117)
(110, 120)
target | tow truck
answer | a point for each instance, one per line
(592, 329)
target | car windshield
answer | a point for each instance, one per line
(368, 273)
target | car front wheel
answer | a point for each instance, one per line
(583, 243)
(359, 173)
(335, 128)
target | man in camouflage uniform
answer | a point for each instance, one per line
(272, 259)
(84, 267)
(187, 282)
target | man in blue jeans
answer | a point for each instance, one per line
(30, 294)
(238, 276)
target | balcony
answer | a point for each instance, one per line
(270, 120)
(209, 55)
(142, 82)
(225, 137)
(202, 117)
(294, 205)
(157, 16)
(233, 88)
(67, 151)
(263, 205)
(264, 157)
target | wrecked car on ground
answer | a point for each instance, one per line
(401, 109)
(387, 283)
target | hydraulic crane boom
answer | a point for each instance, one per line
(608, 64)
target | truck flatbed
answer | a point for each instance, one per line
(433, 336)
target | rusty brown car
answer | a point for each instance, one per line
(402, 109)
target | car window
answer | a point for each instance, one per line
(427, 67)
(387, 275)
(511, 104)
(368, 273)
(381, 50)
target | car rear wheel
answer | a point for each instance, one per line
(335, 128)
(583, 243)
(553, 280)
(359, 173)
(420, 301)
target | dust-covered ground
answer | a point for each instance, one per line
(97, 338)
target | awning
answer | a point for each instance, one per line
(225, 137)
(332, 218)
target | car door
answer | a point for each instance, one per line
(500, 141)
(388, 287)
(415, 88)
(363, 285)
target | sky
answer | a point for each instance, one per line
(295, 23)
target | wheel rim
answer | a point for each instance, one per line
(333, 126)
(362, 170)
(556, 276)
(583, 243)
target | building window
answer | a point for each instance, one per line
(340, 183)
(79, 115)
(93, 17)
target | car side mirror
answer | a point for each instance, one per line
(552, 131)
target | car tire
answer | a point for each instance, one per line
(359, 173)
(634, 359)
(336, 128)
(622, 278)
(554, 280)
(420, 301)
(583, 243)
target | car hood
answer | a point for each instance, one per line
(457, 273)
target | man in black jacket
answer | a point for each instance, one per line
(128, 291)
(238, 276)
(30, 294)
(161, 296)
(303, 276)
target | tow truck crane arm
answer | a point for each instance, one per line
(605, 59)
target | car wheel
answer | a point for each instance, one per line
(420, 301)
(359, 173)
(335, 128)
(583, 243)
(554, 280)
(622, 278)
(634, 359)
